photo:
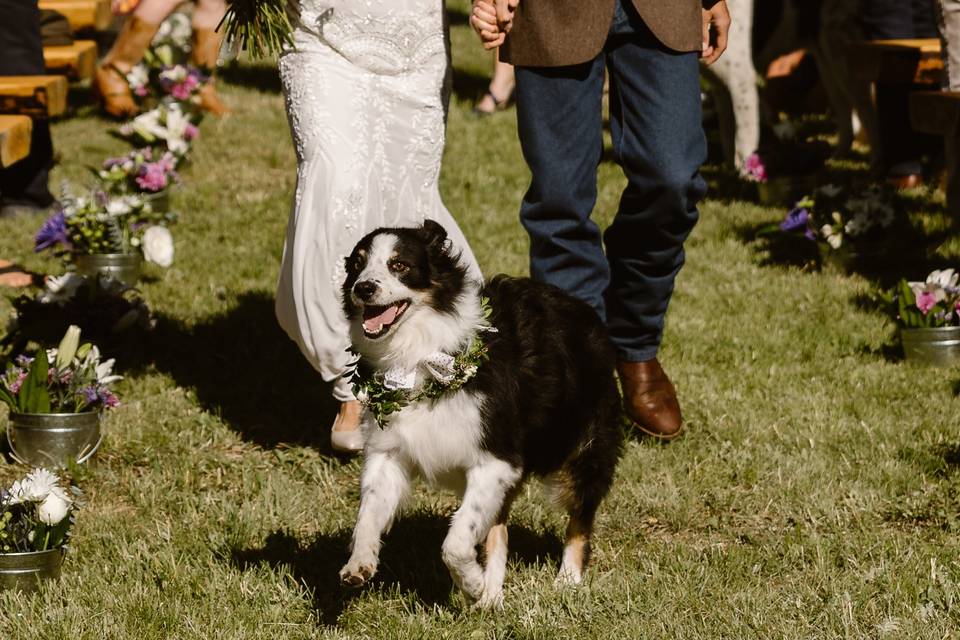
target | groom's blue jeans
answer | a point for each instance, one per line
(658, 140)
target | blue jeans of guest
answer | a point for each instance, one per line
(658, 140)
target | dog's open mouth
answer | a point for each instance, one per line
(377, 320)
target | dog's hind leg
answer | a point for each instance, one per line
(495, 553)
(589, 475)
(488, 486)
(383, 485)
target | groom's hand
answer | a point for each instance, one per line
(716, 19)
(484, 22)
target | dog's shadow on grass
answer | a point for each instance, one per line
(244, 368)
(410, 561)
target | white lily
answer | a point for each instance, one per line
(936, 283)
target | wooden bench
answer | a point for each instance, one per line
(77, 61)
(35, 96)
(83, 15)
(938, 112)
(889, 61)
(15, 134)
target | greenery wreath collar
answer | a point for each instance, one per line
(386, 393)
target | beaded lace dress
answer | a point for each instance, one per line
(364, 96)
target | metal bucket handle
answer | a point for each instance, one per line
(80, 460)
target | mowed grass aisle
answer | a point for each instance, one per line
(816, 494)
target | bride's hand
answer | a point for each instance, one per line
(505, 12)
(484, 21)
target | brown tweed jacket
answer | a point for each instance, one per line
(555, 33)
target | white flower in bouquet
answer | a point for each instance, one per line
(16, 494)
(59, 289)
(39, 483)
(157, 245)
(178, 125)
(830, 190)
(104, 369)
(938, 284)
(175, 29)
(55, 507)
(147, 125)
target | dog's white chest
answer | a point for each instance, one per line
(439, 438)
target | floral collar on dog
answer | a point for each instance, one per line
(388, 392)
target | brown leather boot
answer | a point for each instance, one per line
(205, 52)
(650, 399)
(110, 83)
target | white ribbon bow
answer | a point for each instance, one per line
(441, 366)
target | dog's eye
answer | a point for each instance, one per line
(398, 267)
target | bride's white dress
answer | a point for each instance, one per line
(364, 94)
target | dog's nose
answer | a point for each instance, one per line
(365, 289)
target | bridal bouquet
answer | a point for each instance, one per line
(934, 302)
(68, 379)
(139, 171)
(260, 27)
(167, 127)
(36, 513)
(99, 223)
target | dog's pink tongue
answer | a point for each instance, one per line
(387, 316)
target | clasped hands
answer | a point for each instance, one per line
(493, 19)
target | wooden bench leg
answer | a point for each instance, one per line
(953, 176)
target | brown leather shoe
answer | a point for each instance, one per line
(204, 54)
(650, 399)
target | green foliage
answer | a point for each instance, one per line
(34, 397)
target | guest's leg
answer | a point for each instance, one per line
(206, 50)
(655, 121)
(559, 118)
(24, 184)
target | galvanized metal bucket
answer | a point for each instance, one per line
(53, 439)
(159, 201)
(124, 267)
(938, 346)
(25, 571)
(786, 190)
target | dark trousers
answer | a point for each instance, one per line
(21, 54)
(658, 140)
(902, 148)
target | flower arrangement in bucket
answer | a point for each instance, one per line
(55, 399)
(141, 172)
(166, 127)
(106, 235)
(164, 72)
(928, 314)
(846, 227)
(37, 514)
(784, 171)
(107, 311)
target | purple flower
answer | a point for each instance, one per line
(16, 384)
(53, 232)
(926, 301)
(797, 219)
(89, 394)
(152, 176)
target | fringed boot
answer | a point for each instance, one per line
(110, 82)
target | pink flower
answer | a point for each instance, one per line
(15, 387)
(190, 132)
(754, 169)
(180, 91)
(141, 91)
(152, 176)
(926, 301)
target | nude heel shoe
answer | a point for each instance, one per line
(346, 440)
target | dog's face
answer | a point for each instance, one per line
(394, 273)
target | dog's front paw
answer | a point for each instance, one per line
(355, 574)
(490, 600)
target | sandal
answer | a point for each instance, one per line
(498, 103)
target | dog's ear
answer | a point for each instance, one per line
(434, 235)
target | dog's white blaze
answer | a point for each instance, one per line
(376, 270)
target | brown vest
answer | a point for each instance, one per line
(556, 33)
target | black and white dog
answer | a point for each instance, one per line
(544, 402)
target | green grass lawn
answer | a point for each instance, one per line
(816, 495)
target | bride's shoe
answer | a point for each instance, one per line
(350, 439)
